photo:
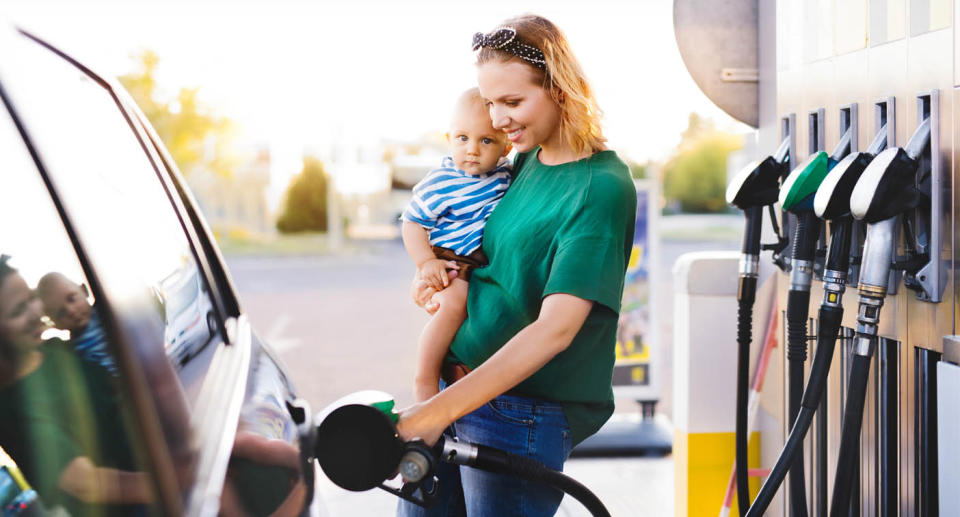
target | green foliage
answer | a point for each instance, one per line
(305, 202)
(638, 171)
(194, 136)
(695, 177)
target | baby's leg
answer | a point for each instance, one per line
(437, 335)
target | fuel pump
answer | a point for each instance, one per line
(796, 196)
(359, 448)
(751, 190)
(831, 203)
(886, 190)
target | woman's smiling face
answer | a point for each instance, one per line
(518, 106)
(20, 314)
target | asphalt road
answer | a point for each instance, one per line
(344, 323)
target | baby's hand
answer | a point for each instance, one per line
(434, 273)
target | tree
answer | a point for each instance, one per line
(305, 202)
(695, 176)
(638, 171)
(194, 135)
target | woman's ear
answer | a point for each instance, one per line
(560, 96)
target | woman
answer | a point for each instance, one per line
(61, 421)
(530, 369)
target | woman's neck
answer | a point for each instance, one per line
(19, 367)
(558, 154)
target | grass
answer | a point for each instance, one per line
(247, 244)
(702, 233)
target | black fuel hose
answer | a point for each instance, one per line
(830, 320)
(850, 435)
(798, 306)
(746, 294)
(502, 462)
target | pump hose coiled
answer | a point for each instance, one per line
(830, 321)
(850, 435)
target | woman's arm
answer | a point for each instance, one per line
(560, 318)
(92, 484)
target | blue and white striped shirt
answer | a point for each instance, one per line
(91, 344)
(453, 205)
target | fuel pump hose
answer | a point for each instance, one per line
(830, 321)
(798, 303)
(502, 462)
(746, 294)
(850, 435)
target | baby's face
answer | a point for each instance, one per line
(476, 147)
(66, 304)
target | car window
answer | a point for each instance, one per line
(69, 442)
(112, 193)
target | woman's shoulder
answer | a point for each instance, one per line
(608, 161)
(609, 174)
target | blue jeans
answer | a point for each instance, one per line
(521, 425)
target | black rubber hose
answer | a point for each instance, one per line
(797, 311)
(830, 321)
(496, 460)
(742, 435)
(850, 436)
(746, 294)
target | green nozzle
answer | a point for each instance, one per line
(373, 398)
(803, 182)
(386, 406)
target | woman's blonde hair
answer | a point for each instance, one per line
(563, 78)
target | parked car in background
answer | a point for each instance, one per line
(198, 416)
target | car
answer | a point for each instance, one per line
(189, 319)
(131, 381)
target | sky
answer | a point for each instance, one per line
(304, 76)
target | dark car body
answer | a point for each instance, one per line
(91, 192)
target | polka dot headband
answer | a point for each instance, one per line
(505, 39)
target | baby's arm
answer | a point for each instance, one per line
(432, 270)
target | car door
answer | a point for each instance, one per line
(194, 375)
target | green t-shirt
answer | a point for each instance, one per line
(564, 228)
(67, 407)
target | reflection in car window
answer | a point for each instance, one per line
(67, 440)
(123, 214)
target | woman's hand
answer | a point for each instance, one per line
(419, 421)
(434, 272)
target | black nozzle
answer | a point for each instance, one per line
(832, 200)
(757, 184)
(358, 447)
(888, 186)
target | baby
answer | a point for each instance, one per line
(65, 303)
(443, 226)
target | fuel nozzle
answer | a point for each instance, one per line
(358, 448)
(886, 189)
(752, 189)
(888, 185)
